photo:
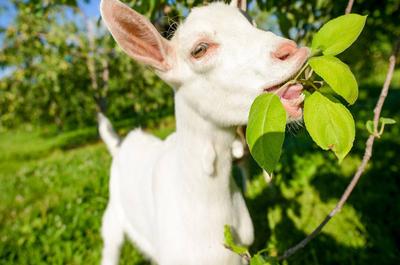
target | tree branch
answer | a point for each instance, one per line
(366, 157)
(367, 153)
(102, 100)
(89, 59)
(349, 7)
(99, 96)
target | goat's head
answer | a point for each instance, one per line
(217, 61)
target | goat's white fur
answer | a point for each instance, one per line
(107, 133)
(173, 197)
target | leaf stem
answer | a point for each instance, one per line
(308, 82)
(308, 76)
(317, 52)
(300, 72)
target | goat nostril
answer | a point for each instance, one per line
(284, 56)
(285, 51)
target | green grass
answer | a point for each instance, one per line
(54, 188)
(52, 201)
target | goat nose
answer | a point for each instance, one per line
(285, 51)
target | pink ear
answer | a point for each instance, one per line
(241, 4)
(135, 34)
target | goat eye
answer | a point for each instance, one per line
(200, 50)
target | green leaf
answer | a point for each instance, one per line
(383, 121)
(387, 121)
(229, 242)
(257, 260)
(266, 130)
(330, 124)
(326, 90)
(338, 34)
(271, 261)
(370, 126)
(306, 93)
(338, 76)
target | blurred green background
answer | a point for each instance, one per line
(57, 60)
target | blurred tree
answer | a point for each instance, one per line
(60, 60)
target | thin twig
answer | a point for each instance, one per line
(362, 166)
(301, 71)
(105, 76)
(90, 60)
(349, 7)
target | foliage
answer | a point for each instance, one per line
(266, 127)
(49, 51)
(338, 34)
(328, 122)
(382, 122)
(306, 187)
(337, 75)
(230, 243)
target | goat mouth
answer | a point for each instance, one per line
(291, 96)
(286, 90)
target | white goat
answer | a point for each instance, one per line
(173, 197)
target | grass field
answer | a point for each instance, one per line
(54, 188)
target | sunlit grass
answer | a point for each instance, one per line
(54, 189)
(52, 201)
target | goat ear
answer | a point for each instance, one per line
(241, 4)
(135, 34)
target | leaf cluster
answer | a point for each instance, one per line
(329, 123)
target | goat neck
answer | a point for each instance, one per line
(204, 147)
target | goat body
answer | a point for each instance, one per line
(173, 197)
